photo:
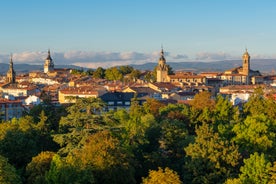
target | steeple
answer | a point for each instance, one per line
(48, 64)
(11, 73)
(162, 68)
(49, 55)
(246, 62)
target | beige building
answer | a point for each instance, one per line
(162, 69)
(64, 95)
(48, 64)
(11, 75)
(241, 75)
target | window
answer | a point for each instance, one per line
(127, 103)
(119, 103)
(110, 103)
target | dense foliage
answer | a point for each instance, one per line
(208, 141)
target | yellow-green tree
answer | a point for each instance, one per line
(162, 176)
(109, 160)
(36, 169)
(255, 170)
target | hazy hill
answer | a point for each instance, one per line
(24, 68)
(263, 65)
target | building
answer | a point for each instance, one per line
(65, 95)
(117, 100)
(241, 75)
(11, 75)
(10, 109)
(162, 69)
(48, 64)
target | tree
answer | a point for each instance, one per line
(254, 134)
(135, 74)
(211, 158)
(109, 160)
(256, 103)
(203, 100)
(113, 74)
(36, 169)
(255, 170)
(126, 69)
(272, 173)
(61, 172)
(162, 176)
(99, 73)
(21, 137)
(84, 118)
(152, 106)
(8, 173)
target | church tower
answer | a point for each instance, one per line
(246, 63)
(11, 73)
(48, 64)
(162, 69)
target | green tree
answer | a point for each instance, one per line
(113, 74)
(84, 118)
(211, 158)
(254, 134)
(8, 173)
(126, 69)
(61, 172)
(21, 137)
(135, 74)
(99, 73)
(256, 103)
(162, 176)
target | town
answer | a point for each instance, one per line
(58, 86)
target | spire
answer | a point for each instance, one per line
(11, 73)
(11, 63)
(162, 51)
(49, 55)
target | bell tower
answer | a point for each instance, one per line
(246, 63)
(11, 73)
(162, 68)
(48, 64)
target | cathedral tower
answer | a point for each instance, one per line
(162, 69)
(48, 64)
(246, 63)
(11, 73)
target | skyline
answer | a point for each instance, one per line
(106, 33)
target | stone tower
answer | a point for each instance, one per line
(246, 63)
(48, 64)
(11, 73)
(162, 69)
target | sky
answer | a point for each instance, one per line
(93, 33)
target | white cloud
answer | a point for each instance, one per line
(107, 59)
(180, 56)
(83, 58)
(212, 56)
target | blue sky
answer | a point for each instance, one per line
(110, 32)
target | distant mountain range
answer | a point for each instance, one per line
(24, 68)
(263, 65)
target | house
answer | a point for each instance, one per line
(10, 109)
(118, 100)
